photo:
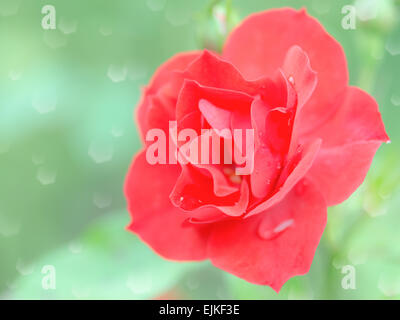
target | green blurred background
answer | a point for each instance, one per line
(67, 137)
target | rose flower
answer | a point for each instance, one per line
(284, 78)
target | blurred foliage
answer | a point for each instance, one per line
(67, 137)
(104, 263)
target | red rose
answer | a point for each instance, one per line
(282, 75)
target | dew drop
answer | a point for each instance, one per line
(54, 39)
(389, 285)
(38, 159)
(117, 132)
(9, 7)
(139, 285)
(301, 187)
(366, 10)
(14, 74)
(228, 171)
(117, 73)
(4, 146)
(357, 257)
(46, 175)
(395, 100)
(393, 47)
(68, 27)
(192, 283)
(9, 227)
(177, 16)
(291, 80)
(105, 31)
(75, 247)
(101, 150)
(44, 102)
(80, 292)
(235, 179)
(267, 231)
(102, 200)
(24, 268)
(156, 5)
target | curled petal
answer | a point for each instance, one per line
(271, 247)
(257, 47)
(154, 219)
(165, 85)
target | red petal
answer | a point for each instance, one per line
(350, 140)
(259, 45)
(356, 119)
(192, 92)
(299, 73)
(194, 190)
(292, 173)
(266, 170)
(163, 86)
(212, 71)
(248, 249)
(156, 221)
(339, 171)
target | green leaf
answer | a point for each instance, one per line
(106, 262)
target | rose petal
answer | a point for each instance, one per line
(293, 172)
(356, 119)
(241, 248)
(155, 220)
(299, 73)
(350, 140)
(257, 47)
(164, 84)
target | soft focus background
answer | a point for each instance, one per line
(67, 137)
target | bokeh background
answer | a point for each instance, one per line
(67, 137)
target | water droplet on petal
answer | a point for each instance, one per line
(228, 171)
(301, 187)
(46, 175)
(235, 179)
(268, 231)
(291, 80)
(117, 73)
